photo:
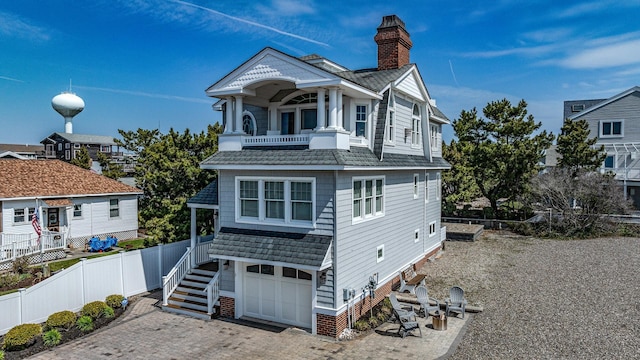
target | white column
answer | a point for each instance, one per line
(228, 126)
(333, 108)
(238, 117)
(340, 122)
(322, 110)
(193, 237)
(273, 118)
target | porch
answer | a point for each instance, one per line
(49, 246)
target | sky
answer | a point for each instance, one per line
(146, 63)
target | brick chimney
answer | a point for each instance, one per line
(393, 42)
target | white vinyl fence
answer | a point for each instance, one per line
(127, 273)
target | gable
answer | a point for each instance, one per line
(410, 85)
(268, 65)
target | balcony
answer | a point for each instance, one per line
(320, 139)
(275, 140)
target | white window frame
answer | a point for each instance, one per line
(611, 122)
(288, 218)
(391, 122)
(432, 229)
(416, 186)
(105, 148)
(24, 215)
(67, 154)
(415, 127)
(375, 212)
(438, 185)
(434, 136)
(113, 207)
(252, 124)
(426, 186)
(77, 215)
(365, 121)
(416, 236)
(379, 255)
(76, 146)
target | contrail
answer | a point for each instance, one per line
(10, 79)
(453, 73)
(145, 94)
(252, 23)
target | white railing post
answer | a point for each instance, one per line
(165, 296)
(21, 312)
(213, 292)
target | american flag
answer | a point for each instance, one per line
(36, 224)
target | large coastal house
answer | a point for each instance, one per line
(72, 205)
(328, 184)
(615, 122)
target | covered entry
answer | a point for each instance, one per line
(278, 293)
(276, 278)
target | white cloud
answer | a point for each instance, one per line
(606, 56)
(292, 7)
(13, 26)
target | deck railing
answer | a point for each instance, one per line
(15, 246)
(270, 140)
(202, 255)
(171, 281)
(213, 292)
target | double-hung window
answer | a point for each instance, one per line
(77, 210)
(368, 197)
(18, 216)
(415, 126)
(434, 137)
(391, 122)
(276, 201)
(114, 208)
(361, 120)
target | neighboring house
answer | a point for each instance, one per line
(73, 203)
(23, 151)
(615, 122)
(328, 178)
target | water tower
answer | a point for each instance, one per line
(68, 105)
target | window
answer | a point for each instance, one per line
(294, 273)
(368, 197)
(438, 186)
(610, 162)
(67, 154)
(577, 107)
(416, 236)
(32, 212)
(67, 145)
(249, 199)
(611, 129)
(380, 253)
(309, 119)
(416, 182)
(248, 123)
(114, 208)
(18, 216)
(301, 201)
(391, 123)
(361, 120)
(276, 200)
(426, 187)
(432, 228)
(59, 146)
(434, 136)
(415, 126)
(77, 210)
(76, 146)
(105, 148)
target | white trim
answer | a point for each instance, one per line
(438, 186)
(612, 135)
(432, 232)
(262, 219)
(317, 167)
(374, 213)
(427, 186)
(45, 197)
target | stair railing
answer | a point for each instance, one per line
(171, 281)
(213, 292)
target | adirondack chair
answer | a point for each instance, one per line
(456, 301)
(400, 308)
(423, 299)
(404, 316)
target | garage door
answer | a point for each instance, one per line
(280, 294)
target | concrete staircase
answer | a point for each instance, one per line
(190, 297)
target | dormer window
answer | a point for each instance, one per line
(361, 120)
(415, 126)
(577, 107)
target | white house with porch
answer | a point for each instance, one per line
(328, 186)
(72, 205)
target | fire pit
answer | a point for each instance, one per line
(439, 320)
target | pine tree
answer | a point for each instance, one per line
(109, 168)
(576, 150)
(501, 150)
(82, 159)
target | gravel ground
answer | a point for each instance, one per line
(545, 299)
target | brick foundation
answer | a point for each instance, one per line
(333, 326)
(227, 307)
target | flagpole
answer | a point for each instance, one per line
(37, 214)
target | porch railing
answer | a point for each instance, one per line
(202, 255)
(171, 281)
(267, 140)
(15, 246)
(213, 292)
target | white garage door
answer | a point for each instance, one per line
(280, 294)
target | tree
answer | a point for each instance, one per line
(109, 168)
(576, 150)
(82, 159)
(501, 150)
(458, 184)
(576, 203)
(168, 172)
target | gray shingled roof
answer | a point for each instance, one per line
(355, 157)
(87, 139)
(206, 196)
(374, 79)
(439, 113)
(292, 248)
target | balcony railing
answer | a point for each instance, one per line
(275, 140)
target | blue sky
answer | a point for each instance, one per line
(146, 63)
